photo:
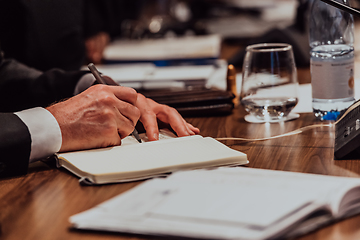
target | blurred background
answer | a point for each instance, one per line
(182, 45)
(237, 22)
(68, 34)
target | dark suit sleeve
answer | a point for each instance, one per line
(15, 146)
(22, 87)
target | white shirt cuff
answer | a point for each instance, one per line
(84, 83)
(44, 130)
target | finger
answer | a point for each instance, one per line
(171, 116)
(189, 129)
(148, 119)
(123, 113)
(151, 127)
(125, 94)
(124, 126)
(177, 123)
(126, 118)
(128, 111)
(193, 129)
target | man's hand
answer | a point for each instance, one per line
(102, 115)
(151, 111)
(98, 117)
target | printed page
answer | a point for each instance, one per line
(231, 204)
(224, 203)
(331, 189)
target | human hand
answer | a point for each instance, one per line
(98, 117)
(95, 46)
(151, 111)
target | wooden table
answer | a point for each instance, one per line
(38, 205)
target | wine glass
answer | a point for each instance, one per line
(269, 88)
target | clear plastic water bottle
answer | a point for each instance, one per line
(332, 59)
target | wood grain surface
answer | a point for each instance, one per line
(38, 205)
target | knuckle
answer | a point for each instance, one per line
(137, 113)
(132, 94)
(108, 113)
(126, 107)
(107, 100)
(169, 110)
(100, 87)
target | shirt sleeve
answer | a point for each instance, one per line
(84, 83)
(45, 132)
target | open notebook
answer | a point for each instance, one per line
(227, 203)
(135, 161)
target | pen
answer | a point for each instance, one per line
(343, 7)
(101, 80)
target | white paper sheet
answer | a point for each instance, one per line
(226, 203)
(163, 49)
(148, 76)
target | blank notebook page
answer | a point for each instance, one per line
(153, 155)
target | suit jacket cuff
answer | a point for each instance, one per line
(15, 144)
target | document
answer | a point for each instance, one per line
(149, 76)
(148, 50)
(227, 203)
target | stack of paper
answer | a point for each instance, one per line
(154, 50)
(149, 76)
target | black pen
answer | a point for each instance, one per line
(101, 80)
(343, 7)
